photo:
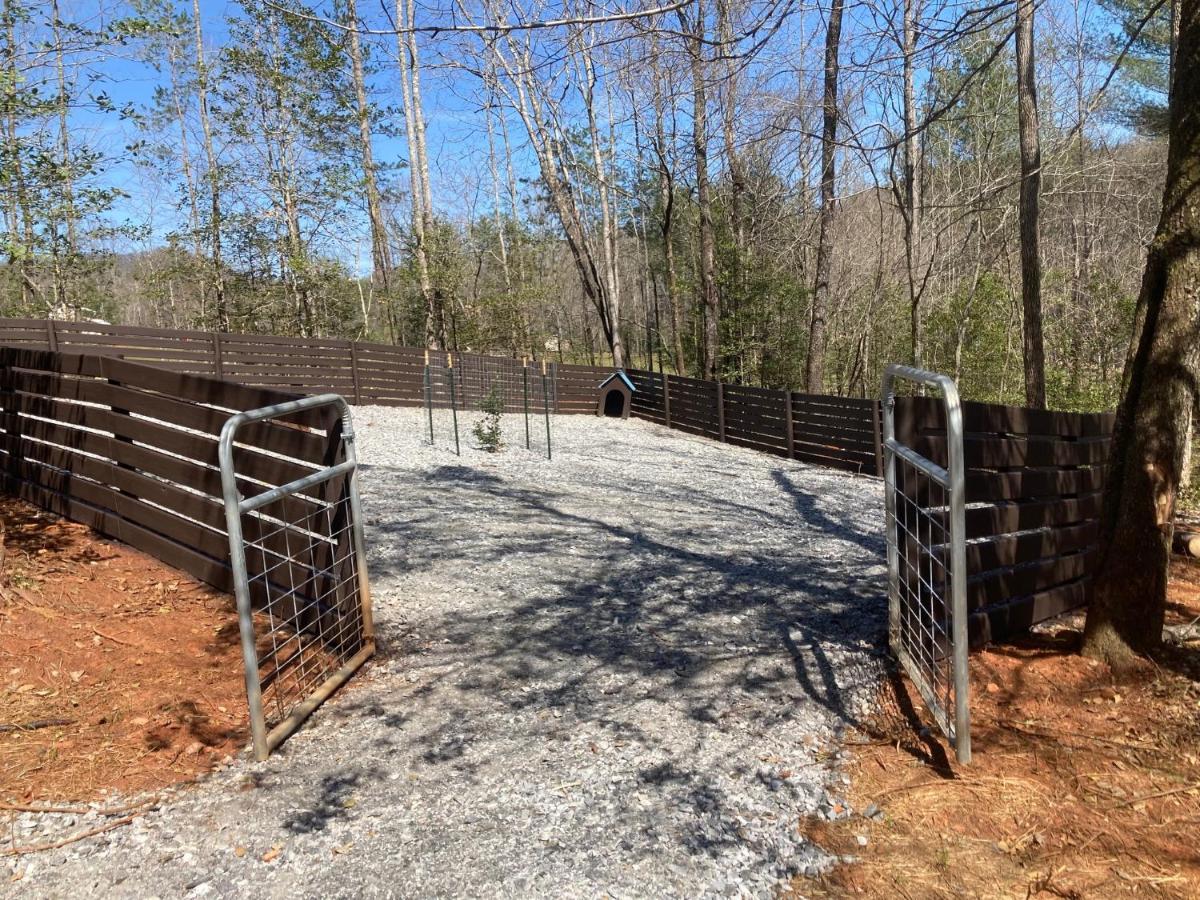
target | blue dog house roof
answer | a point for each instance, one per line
(618, 374)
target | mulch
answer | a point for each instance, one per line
(1084, 783)
(118, 674)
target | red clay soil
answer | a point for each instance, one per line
(117, 673)
(1084, 784)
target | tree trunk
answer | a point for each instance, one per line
(737, 178)
(1030, 208)
(214, 178)
(21, 222)
(608, 236)
(435, 331)
(64, 303)
(1127, 611)
(516, 324)
(912, 185)
(381, 258)
(666, 197)
(815, 375)
(710, 299)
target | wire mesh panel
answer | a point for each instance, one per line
(926, 547)
(442, 400)
(300, 575)
(459, 391)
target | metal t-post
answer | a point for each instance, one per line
(453, 403)
(546, 406)
(525, 379)
(429, 396)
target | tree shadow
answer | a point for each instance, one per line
(671, 600)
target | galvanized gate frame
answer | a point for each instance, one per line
(235, 506)
(952, 479)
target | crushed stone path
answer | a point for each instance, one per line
(623, 672)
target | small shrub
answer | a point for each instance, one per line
(487, 429)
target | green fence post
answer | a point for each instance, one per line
(453, 403)
(546, 407)
(525, 379)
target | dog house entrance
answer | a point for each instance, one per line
(614, 404)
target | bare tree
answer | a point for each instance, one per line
(381, 256)
(815, 374)
(536, 103)
(665, 164)
(214, 175)
(911, 204)
(710, 298)
(418, 169)
(20, 219)
(1030, 208)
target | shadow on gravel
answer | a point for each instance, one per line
(334, 800)
(707, 622)
(687, 623)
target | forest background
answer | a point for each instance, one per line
(776, 193)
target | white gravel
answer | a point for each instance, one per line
(622, 673)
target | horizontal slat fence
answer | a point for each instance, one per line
(131, 450)
(1034, 478)
(836, 432)
(1034, 483)
(117, 428)
(361, 371)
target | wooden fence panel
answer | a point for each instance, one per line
(69, 419)
(826, 431)
(131, 450)
(1034, 486)
(362, 371)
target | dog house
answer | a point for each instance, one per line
(615, 393)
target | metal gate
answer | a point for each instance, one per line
(300, 576)
(926, 556)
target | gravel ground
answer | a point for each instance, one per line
(623, 672)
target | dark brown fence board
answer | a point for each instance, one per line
(1034, 477)
(70, 423)
(1002, 621)
(367, 371)
(1001, 585)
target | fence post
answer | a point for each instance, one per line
(721, 410)
(667, 398)
(787, 418)
(878, 441)
(525, 383)
(453, 403)
(51, 336)
(218, 360)
(354, 372)
(429, 396)
(546, 407)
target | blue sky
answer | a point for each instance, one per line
(456, 137)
